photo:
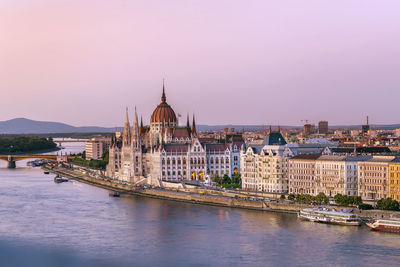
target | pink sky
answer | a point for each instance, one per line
(245, 62)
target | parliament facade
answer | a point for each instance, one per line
(166, 151)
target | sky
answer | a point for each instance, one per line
(279, 62)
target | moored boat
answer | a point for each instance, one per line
(59, 179)
(323, 215)
(114, 194)
(385, 225)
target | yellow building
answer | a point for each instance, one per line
(394, 179)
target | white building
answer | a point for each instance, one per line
(265, 166)
(336, 175)
(169, 152)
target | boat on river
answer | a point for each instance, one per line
(114, 194)
(385, 225)
(59, 179)
(323, 215)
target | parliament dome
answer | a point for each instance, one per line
(163, 112)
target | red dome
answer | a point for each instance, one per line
(163, 112)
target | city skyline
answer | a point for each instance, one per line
(257, 63)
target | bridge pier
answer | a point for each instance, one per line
(11, 163)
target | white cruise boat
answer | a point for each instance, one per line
(323, 215)
(385, 225)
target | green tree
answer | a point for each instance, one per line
(283, 197)
(291, 197)
(304, 198)
(237, 179)
(364, 206)
(387, 204)
(217, 179)
(226, 179)
(321, 198)
(105, 156)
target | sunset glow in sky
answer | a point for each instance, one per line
(245, 62)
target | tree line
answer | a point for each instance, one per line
(92, 163)
(20, 144)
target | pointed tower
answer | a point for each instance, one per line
(126, 138)
(187, 122)
(135, 133)
(194, 132)
(163, 97)
(141, 126)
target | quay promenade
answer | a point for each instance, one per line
(208, 196)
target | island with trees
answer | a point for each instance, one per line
(26, 144)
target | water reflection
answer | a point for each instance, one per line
(85, 225)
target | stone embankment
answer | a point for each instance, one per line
(211, 197)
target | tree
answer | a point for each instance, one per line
(304, 198)
(236, 179)
(217, 179)
(347, 200)
(105, 156)
(387, 204)
(363, 206)
(226, 179)
(283, 197)
(291, 197)
(322, 198)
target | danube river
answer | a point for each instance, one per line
(73, 224)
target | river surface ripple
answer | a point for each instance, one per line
(74, 224)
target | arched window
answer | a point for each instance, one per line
(163, 161)
(173, 161)
(184, 161)
(168, 161)
(216, 160)
(212, 161)
(179, 161)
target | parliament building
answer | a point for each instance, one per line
(166, 151)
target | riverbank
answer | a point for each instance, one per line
(207, 196)
(41, 151)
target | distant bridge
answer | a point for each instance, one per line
(70, 140)
(11, 159)
(61, 141)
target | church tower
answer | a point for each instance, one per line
(126, 137)
(136, 149)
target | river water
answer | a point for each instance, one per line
(74, 224)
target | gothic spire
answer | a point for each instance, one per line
(163, 97)
(187, 122)
(126, 138)
(194, 132)
(136, 142)
(141, 125)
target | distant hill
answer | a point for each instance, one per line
(26, 126)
